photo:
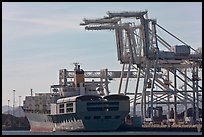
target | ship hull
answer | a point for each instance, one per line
(39, 122)
(76, 122)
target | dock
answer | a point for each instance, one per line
(163, 128)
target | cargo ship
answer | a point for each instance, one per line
(76, 105)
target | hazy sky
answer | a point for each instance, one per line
(40, 38)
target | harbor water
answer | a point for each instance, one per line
(100, 133)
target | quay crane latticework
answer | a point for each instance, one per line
(160, 68)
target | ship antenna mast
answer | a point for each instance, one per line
(76, 65)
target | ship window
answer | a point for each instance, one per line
(111, 108)
(69, 109)
(94, 103)
(61, 105)
(94, 108)
(117, 117)
(97, 117)
(111, 103)
(69, 104)
(107, 117)
(61, 110)
(87, 117)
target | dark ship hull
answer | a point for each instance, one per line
(93, 121)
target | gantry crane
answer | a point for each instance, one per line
(157, 63)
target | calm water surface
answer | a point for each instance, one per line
(99, 133)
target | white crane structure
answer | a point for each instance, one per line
(153, 62)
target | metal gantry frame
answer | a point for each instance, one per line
(139, 50)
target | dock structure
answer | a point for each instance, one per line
(166, 74)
